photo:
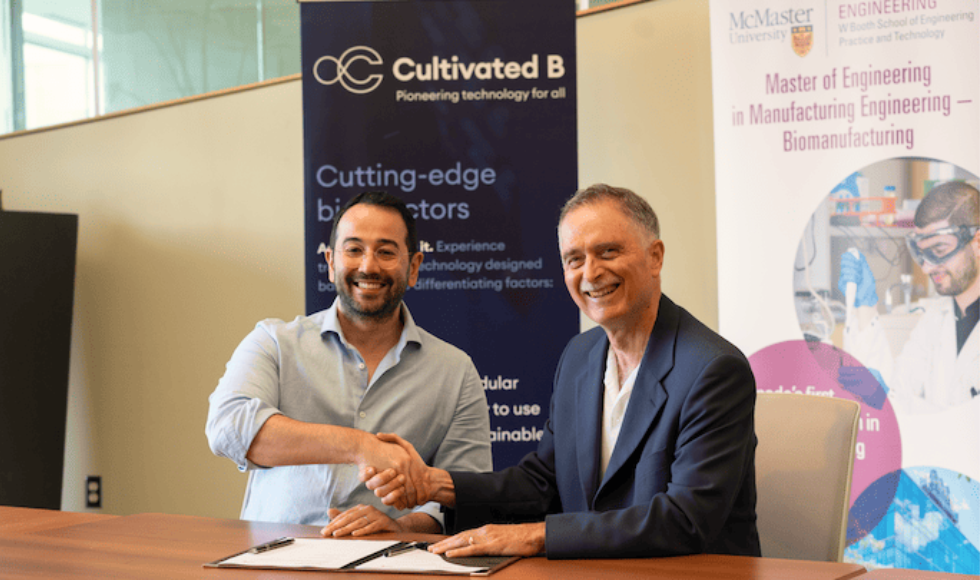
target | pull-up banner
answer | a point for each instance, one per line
(466, 110)
(835, 122)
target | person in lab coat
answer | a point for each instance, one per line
(939, 366)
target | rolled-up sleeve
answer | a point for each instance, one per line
(246, 396)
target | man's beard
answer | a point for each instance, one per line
(959, 281)
(396, 290)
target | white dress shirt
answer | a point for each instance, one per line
(614, 401)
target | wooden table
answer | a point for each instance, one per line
(15, 520)
(59, 545)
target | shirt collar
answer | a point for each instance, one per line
(971, 310)
(410, 332)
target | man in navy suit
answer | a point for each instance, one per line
(650, 446)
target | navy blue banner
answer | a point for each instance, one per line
(466, 110)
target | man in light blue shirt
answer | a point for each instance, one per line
(300, 402)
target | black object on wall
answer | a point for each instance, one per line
(37, 284)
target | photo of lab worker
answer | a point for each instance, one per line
(887, 270)
(939, 365)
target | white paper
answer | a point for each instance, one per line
(417, 561)
(324, 553)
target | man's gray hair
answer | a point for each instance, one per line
(634, 206)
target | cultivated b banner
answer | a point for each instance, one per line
(847, 148)
(466, 110)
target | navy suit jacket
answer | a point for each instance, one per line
(681, 479)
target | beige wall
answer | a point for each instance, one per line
(191, 228)
(190, 231)
(645, 122)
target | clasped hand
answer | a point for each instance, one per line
(407, 487)
(401, 483)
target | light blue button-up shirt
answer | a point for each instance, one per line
(425, 390)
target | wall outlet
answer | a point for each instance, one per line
(93, 491)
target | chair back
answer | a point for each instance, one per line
(803, 467)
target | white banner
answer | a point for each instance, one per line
(834, 122)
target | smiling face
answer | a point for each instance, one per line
(612, 266)
(370, 264)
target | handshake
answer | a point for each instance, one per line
(392, 468)
(396, 473)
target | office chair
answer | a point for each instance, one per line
(803, 466)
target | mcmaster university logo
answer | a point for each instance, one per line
(802, 39)
(763, 25)
(340, 70)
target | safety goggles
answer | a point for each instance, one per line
(941, 245)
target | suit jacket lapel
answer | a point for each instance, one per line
(589, 403)
(648, 395)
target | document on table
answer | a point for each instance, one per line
(357, 555)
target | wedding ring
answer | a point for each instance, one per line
(472, 541)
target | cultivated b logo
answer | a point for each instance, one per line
(341, 66)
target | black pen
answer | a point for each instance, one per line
(406, 548)
(277, 543)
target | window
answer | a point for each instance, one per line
(65, 60)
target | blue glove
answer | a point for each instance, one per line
(865, 383)
(856, 269)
